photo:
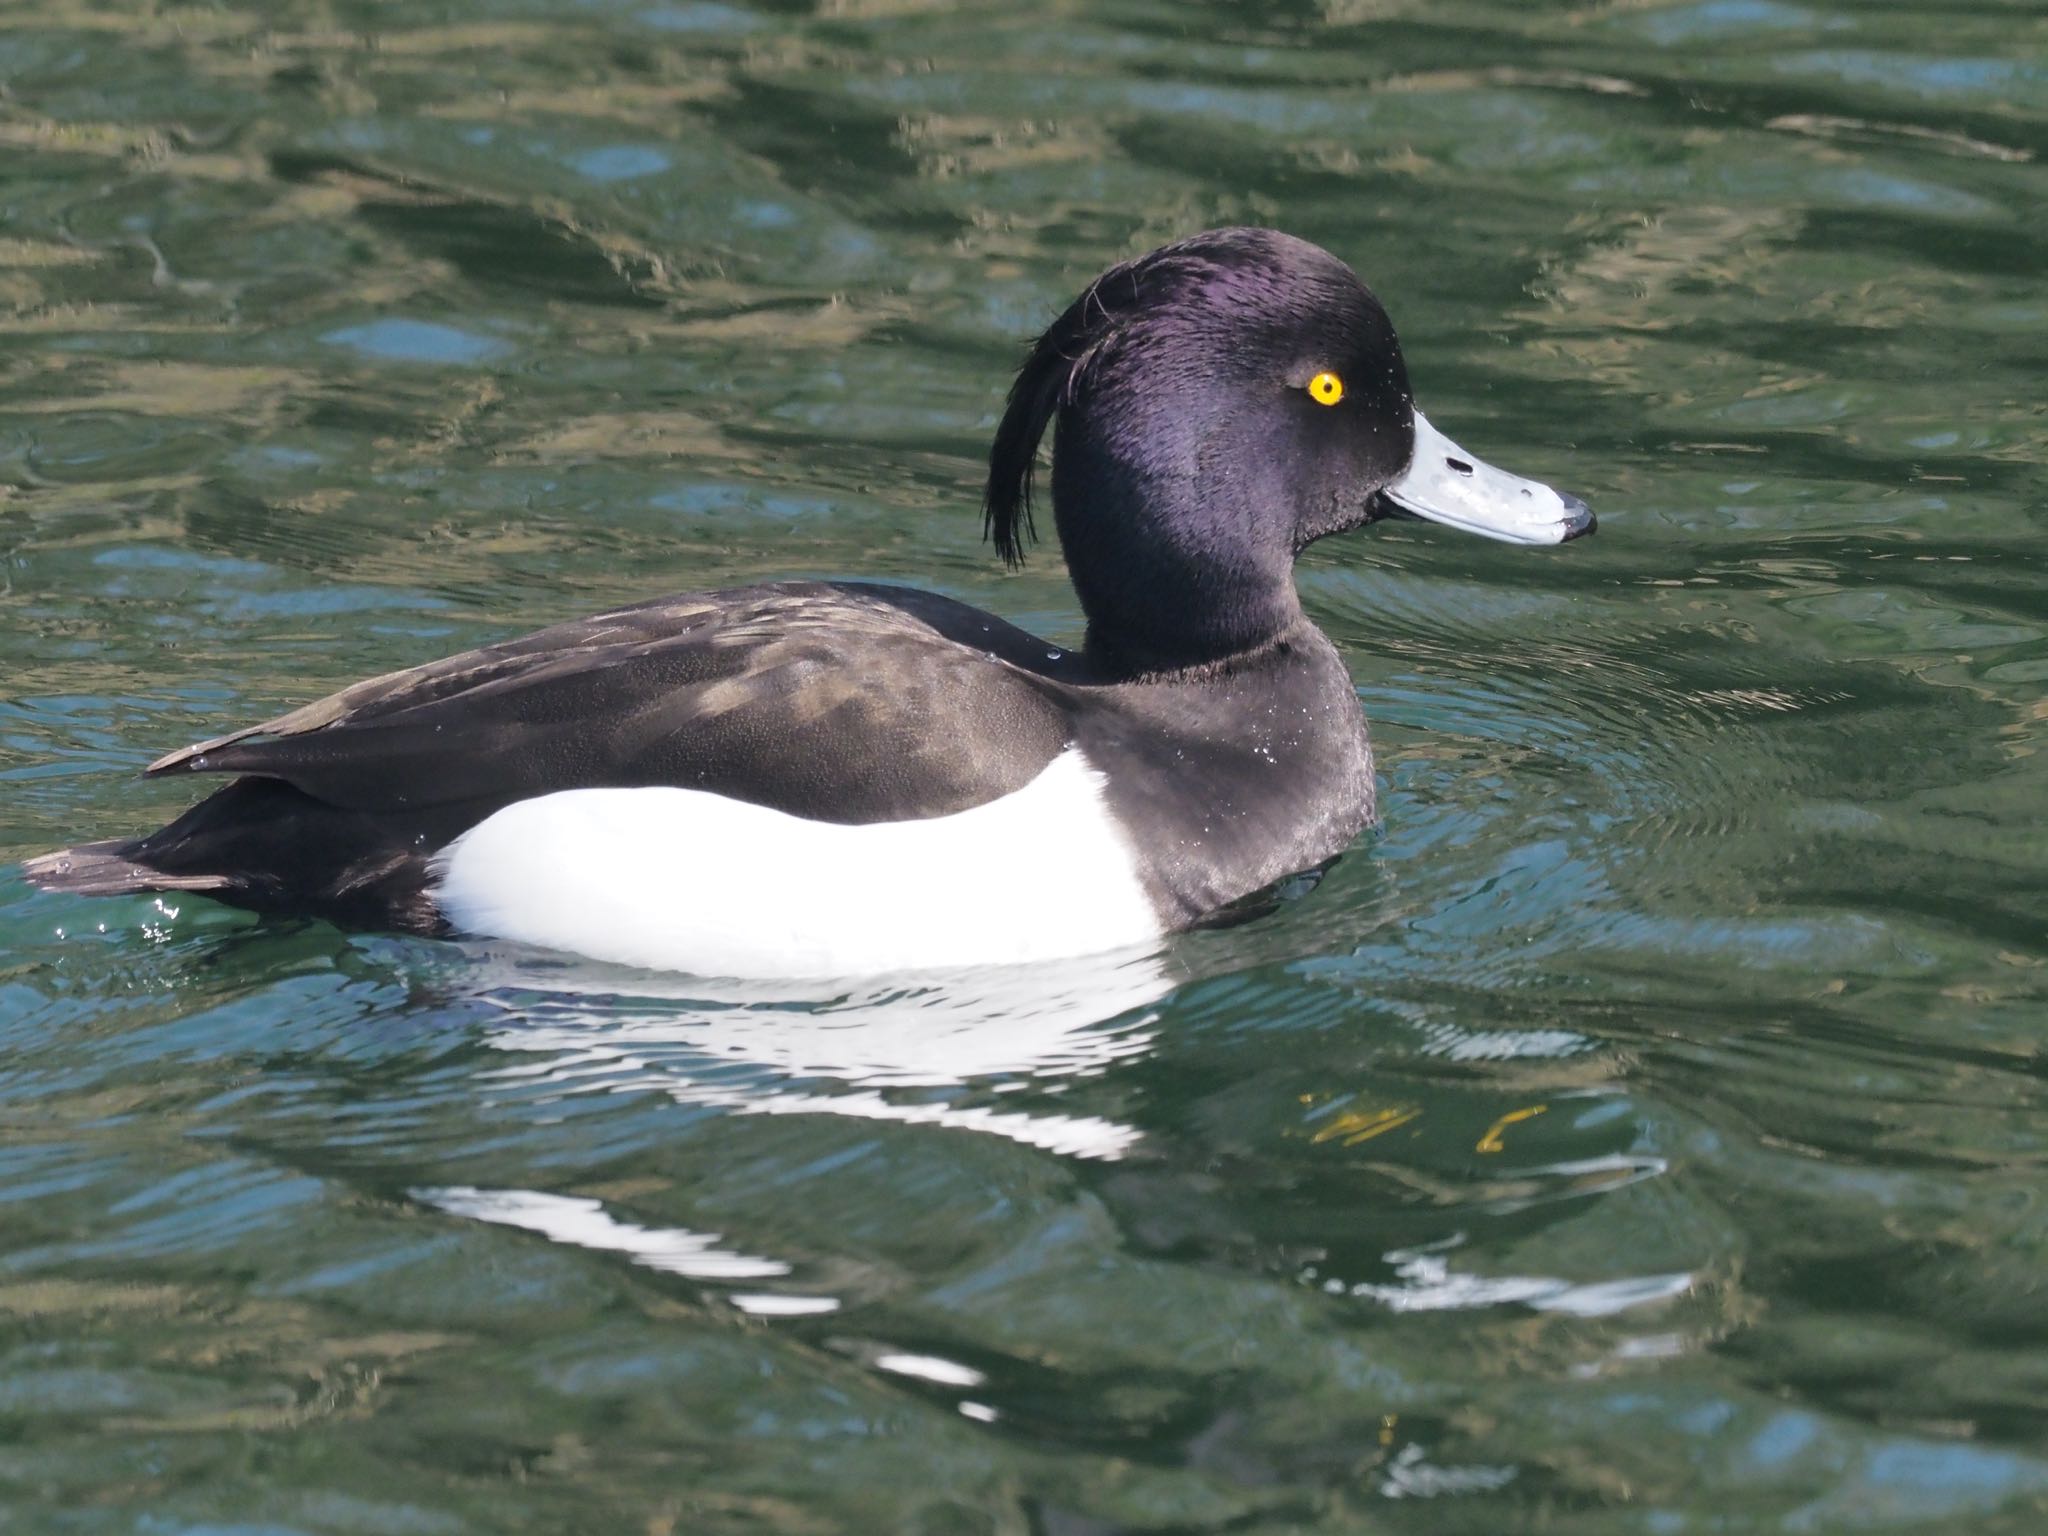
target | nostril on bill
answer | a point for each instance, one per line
(1460, 466)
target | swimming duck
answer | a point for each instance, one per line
(831, 778)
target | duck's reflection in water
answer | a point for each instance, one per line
(940, 1050)
(886, 1048)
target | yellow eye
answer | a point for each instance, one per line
(1326, 388)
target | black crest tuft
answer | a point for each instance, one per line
(1042, 386)
(1052, 376)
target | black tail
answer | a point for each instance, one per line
(263, 844)
(111, 868)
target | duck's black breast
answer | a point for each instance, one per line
(1234, 777)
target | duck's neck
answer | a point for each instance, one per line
(1176, 568)
(1119, 655)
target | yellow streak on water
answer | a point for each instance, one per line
(1491, 1141)
(1355, 1126)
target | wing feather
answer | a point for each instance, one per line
(837, 702)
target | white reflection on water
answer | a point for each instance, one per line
(932, 1368)
(874, 1049)
(1428, 1284)
(776, 1304)
(1457, 1043)
(586, 1224)
(1411, 1475)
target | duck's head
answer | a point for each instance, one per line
(1222, 402)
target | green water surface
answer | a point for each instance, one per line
(1642, 1133)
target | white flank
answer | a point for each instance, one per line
(685, 880)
